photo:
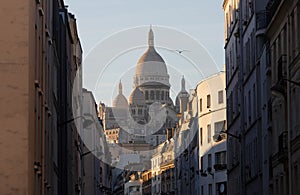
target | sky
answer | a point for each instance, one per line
(114, 33)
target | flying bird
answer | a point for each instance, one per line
(180, 51)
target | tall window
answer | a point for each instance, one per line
(209, 162)
(147, 95)
(208, 101)
(140, 111)
(249, 107)
(157, 95)
(210, 189)
(200, 104)
(208, 133)
(201, 136)
(152, 95)
(220, 97)
(162, 95)
(254, 101)
(220, 157)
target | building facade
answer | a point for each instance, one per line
(212, 135)
(163, 169)
(96, 174)
(41, 55)
(283, 61)
(186, 143)
(248, 161)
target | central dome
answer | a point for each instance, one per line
(151, 66)
(150, 55)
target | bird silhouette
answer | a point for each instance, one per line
(180, 51)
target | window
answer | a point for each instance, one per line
(220, 97)
(140, 111)
(220, 126)
(220, 157)
(200, 104)
(146, 95)
(162, 95)
(209, 163)
(201, 166)
(210, 189)
(201, 136)
(157, 95)
(208, 101)
(152, 95)
(249, 107)
(208, 133)
(133, 111)
(254, 101)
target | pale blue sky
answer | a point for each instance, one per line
(99, 19)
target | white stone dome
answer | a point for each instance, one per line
(151, 66)
(120, 100)
(137, 97)
(151, 63)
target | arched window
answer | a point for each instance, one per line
(133, 111)
(147, 95)
(157, 94)
(152, 95)
(140, 111)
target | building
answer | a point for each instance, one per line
(247, 95)
(134, 127)
(212, 135)
(147, 182)
(40, 56)
(163, 169)
(283, 62)
(233, 93)
(96, 174)
(186, 143)
(133, 186)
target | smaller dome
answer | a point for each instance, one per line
(137, 97)
(120, 100)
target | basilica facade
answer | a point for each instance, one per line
(149, 114)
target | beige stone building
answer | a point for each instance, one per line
(40, 54)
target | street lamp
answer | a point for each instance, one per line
(220, 138)
(98, 153)
(86, 122)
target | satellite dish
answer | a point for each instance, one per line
(222, 188)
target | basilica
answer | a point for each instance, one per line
(149, 115)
